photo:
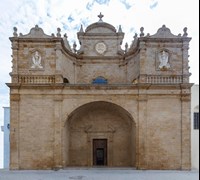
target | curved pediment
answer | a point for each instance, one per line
(100, 27)
(164, 32)
(36, 32)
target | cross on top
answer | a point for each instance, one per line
(100, 17)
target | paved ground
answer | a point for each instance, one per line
(98, 174)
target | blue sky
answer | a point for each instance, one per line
(70, 14)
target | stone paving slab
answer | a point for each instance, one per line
(98, 174)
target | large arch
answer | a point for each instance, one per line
(97, 121)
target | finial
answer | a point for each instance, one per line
(120, 29)
(58, 32)
(74, 47)
(100, 17)
(142, 32)
(53, 35)
(36, 26)
(15, 32)
(135, 36)
(65, 35)
(148, 34)
(81, 30)
(185, 32)
(126, 47)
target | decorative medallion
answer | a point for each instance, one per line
(101, 48)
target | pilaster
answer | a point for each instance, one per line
(59, 78)
(14, 132)
(185, 62)
(142, 132)
(58, 159)
(142, 62)
(186, 129)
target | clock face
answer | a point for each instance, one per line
(100, 47)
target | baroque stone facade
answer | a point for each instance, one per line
(100, 105)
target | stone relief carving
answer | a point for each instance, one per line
(164, 60)
(36, 61)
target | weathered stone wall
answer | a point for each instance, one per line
(25, 53)
(163, 148)
(109, 70)
(133, 68)
(36, 132)
(68, 69)
(50, 125)
(152, 62)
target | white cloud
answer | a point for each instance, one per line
(153, 4)
(127, 4)
(69, 15)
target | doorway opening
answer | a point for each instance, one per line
(108, 138)
(100, 152)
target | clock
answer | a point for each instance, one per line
(100, 48)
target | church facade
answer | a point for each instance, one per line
(100, 105)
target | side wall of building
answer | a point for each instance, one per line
(195, 132)
(6, 130)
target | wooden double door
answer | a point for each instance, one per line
(100, 152)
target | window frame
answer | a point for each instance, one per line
(196, 120)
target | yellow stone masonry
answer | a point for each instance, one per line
(100, 105)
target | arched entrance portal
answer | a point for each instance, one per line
(100, 134)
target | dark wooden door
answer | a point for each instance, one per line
(100, 152)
